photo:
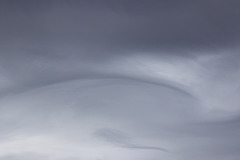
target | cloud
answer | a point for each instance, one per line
(101, 80)
(117, 137)
(24, 156)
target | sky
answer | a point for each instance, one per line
(119, 79)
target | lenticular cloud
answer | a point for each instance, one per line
(120, 80)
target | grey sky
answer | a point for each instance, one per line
(119, 79)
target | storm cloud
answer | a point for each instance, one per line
(119, 79)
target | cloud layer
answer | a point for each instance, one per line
(102, 80)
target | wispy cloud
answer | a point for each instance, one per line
(122, 140)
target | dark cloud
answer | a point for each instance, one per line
(121, 25)
(56, 39)
(119, 79)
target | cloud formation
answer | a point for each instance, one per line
(103, 80)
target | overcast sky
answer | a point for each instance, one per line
(119, 80)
